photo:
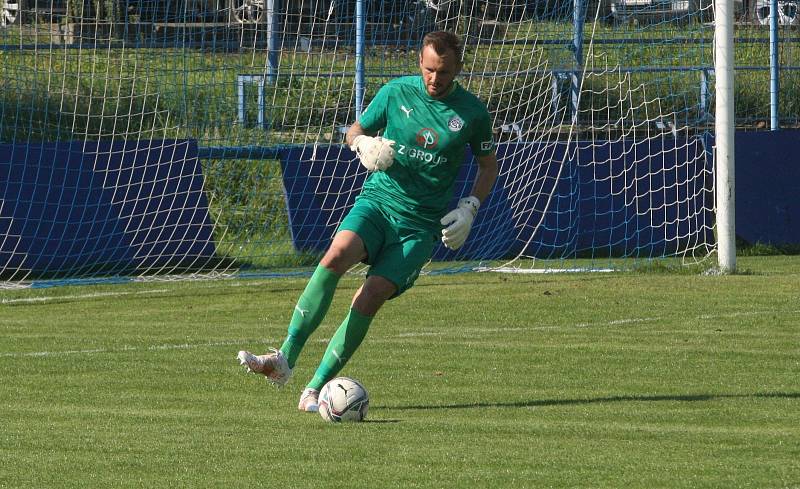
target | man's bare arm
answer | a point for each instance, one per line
(355, 130)
(487, 174)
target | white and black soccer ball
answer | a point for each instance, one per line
(343, 399)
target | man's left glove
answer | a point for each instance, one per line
(458, 222)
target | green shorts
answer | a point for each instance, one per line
(395, 251)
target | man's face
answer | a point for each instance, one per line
(438, 71)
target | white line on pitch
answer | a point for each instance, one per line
(742, 313)
(95, 295)
(414, 334)
(122, 349)
(618, 322)
(188, 346)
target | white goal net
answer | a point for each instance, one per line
(204, 137)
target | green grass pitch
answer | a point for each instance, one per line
(618, 380)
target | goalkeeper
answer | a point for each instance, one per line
(427, 122)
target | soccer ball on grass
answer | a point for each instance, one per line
(343, 399)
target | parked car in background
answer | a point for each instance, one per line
(172, 11)
(10, 12)
(400, 12)
(787, 12)
(657, 10)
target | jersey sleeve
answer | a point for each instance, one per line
(482, 141)
(373, 118)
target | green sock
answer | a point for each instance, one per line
(342, 346)
(309, 311)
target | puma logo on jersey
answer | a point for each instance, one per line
(407, 111)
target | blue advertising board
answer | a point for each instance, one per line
(113, 207)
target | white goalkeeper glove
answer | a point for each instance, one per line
(375, 153)
(459, 222)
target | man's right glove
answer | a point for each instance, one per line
(375, 153)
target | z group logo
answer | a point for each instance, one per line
(427, 138)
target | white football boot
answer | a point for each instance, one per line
(271, 365)
(309, 400)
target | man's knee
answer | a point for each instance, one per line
(346, 250)
(372, 295)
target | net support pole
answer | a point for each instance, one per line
(774, 66)
(724, 127)
(273, 42)
(360, 28)
(578, 21)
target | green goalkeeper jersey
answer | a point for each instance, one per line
(430, 137)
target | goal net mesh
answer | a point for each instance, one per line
(204, 138)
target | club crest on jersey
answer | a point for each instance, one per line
(427, 138)
(455, 123)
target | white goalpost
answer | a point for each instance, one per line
(724, 129)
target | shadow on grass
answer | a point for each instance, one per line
(596, 400)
